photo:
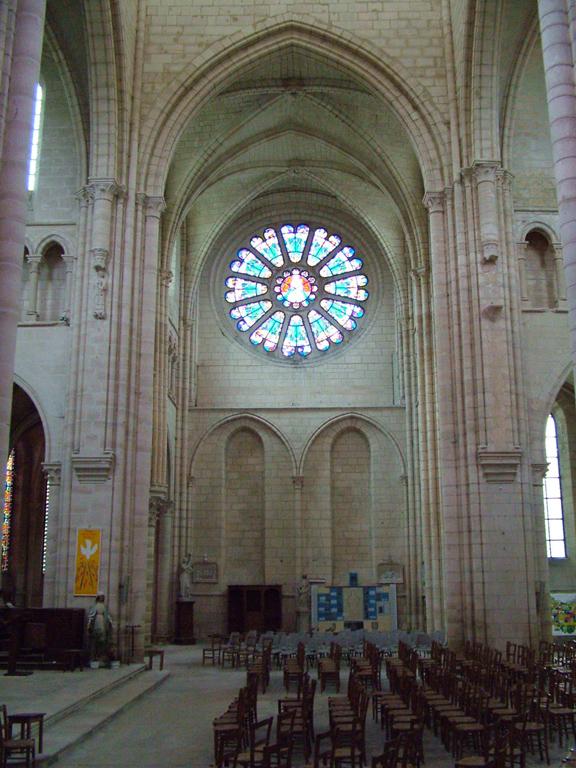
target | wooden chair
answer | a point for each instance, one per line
(258, 740)
(213, 651)
(260, 666)
(329, 669)
(295, 668)
(22, 751)
(229, 651)
(388, 758)
(322, 750)
(230, 729)
(25, 721)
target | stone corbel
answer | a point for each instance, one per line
(492, 312)
(93, 469)
(499, 466)
(298, 482)
(490, 250)
(539, 470)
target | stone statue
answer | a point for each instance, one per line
(99, 629)
(186, 577)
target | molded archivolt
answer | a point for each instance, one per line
(242, 503)
(354, 507)
(356, 58)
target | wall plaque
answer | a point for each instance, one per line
(205, 572)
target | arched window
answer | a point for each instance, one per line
(540, 269)
(7, 516)
(35, 138)
(296, 291)
(553, 510)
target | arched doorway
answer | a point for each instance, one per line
(24, 523)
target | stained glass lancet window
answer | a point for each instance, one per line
(554, 513)
(298, 290)
(35, 138)
(7, 516)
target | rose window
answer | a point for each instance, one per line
(296, 290)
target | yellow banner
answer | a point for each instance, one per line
(87, 561)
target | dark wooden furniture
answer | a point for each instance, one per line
(151, 653)
(254, 607)
(184, 622)
(60, 629)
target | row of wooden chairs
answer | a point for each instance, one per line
(231, 729)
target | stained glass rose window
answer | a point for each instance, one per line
(296, 290)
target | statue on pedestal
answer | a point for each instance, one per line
(303, 605)
(186, 577)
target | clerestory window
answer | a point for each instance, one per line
(553, 509)
(35, 139)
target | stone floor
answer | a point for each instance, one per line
(170, 727)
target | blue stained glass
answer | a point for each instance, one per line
(269, 332)
(324, 332)
(296, 339)
(321, 246)
(249, 314)
(248, 264)
(349, 286)
(243, 289)
(343, 261)
(269, 247)
(295, 240)
(342, 312)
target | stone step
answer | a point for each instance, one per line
(77, 721)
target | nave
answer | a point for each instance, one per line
(171, 725)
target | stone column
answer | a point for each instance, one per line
(136, 489)
(53, 523)
(159, 475)
(522, 247)
(434, 288)
(558, 54)
(32, 309)
(24, 68)
(559, 273)
(539, 470)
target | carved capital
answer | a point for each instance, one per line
(93, 469)
(165, 277)
(499, 466)
(53, 471)
(105, 189)
(152, 205)
(158, 507)
(85, 196)
(420, 274)
(298, 481)
(434, 201)
(504, 179)
(486, 171)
